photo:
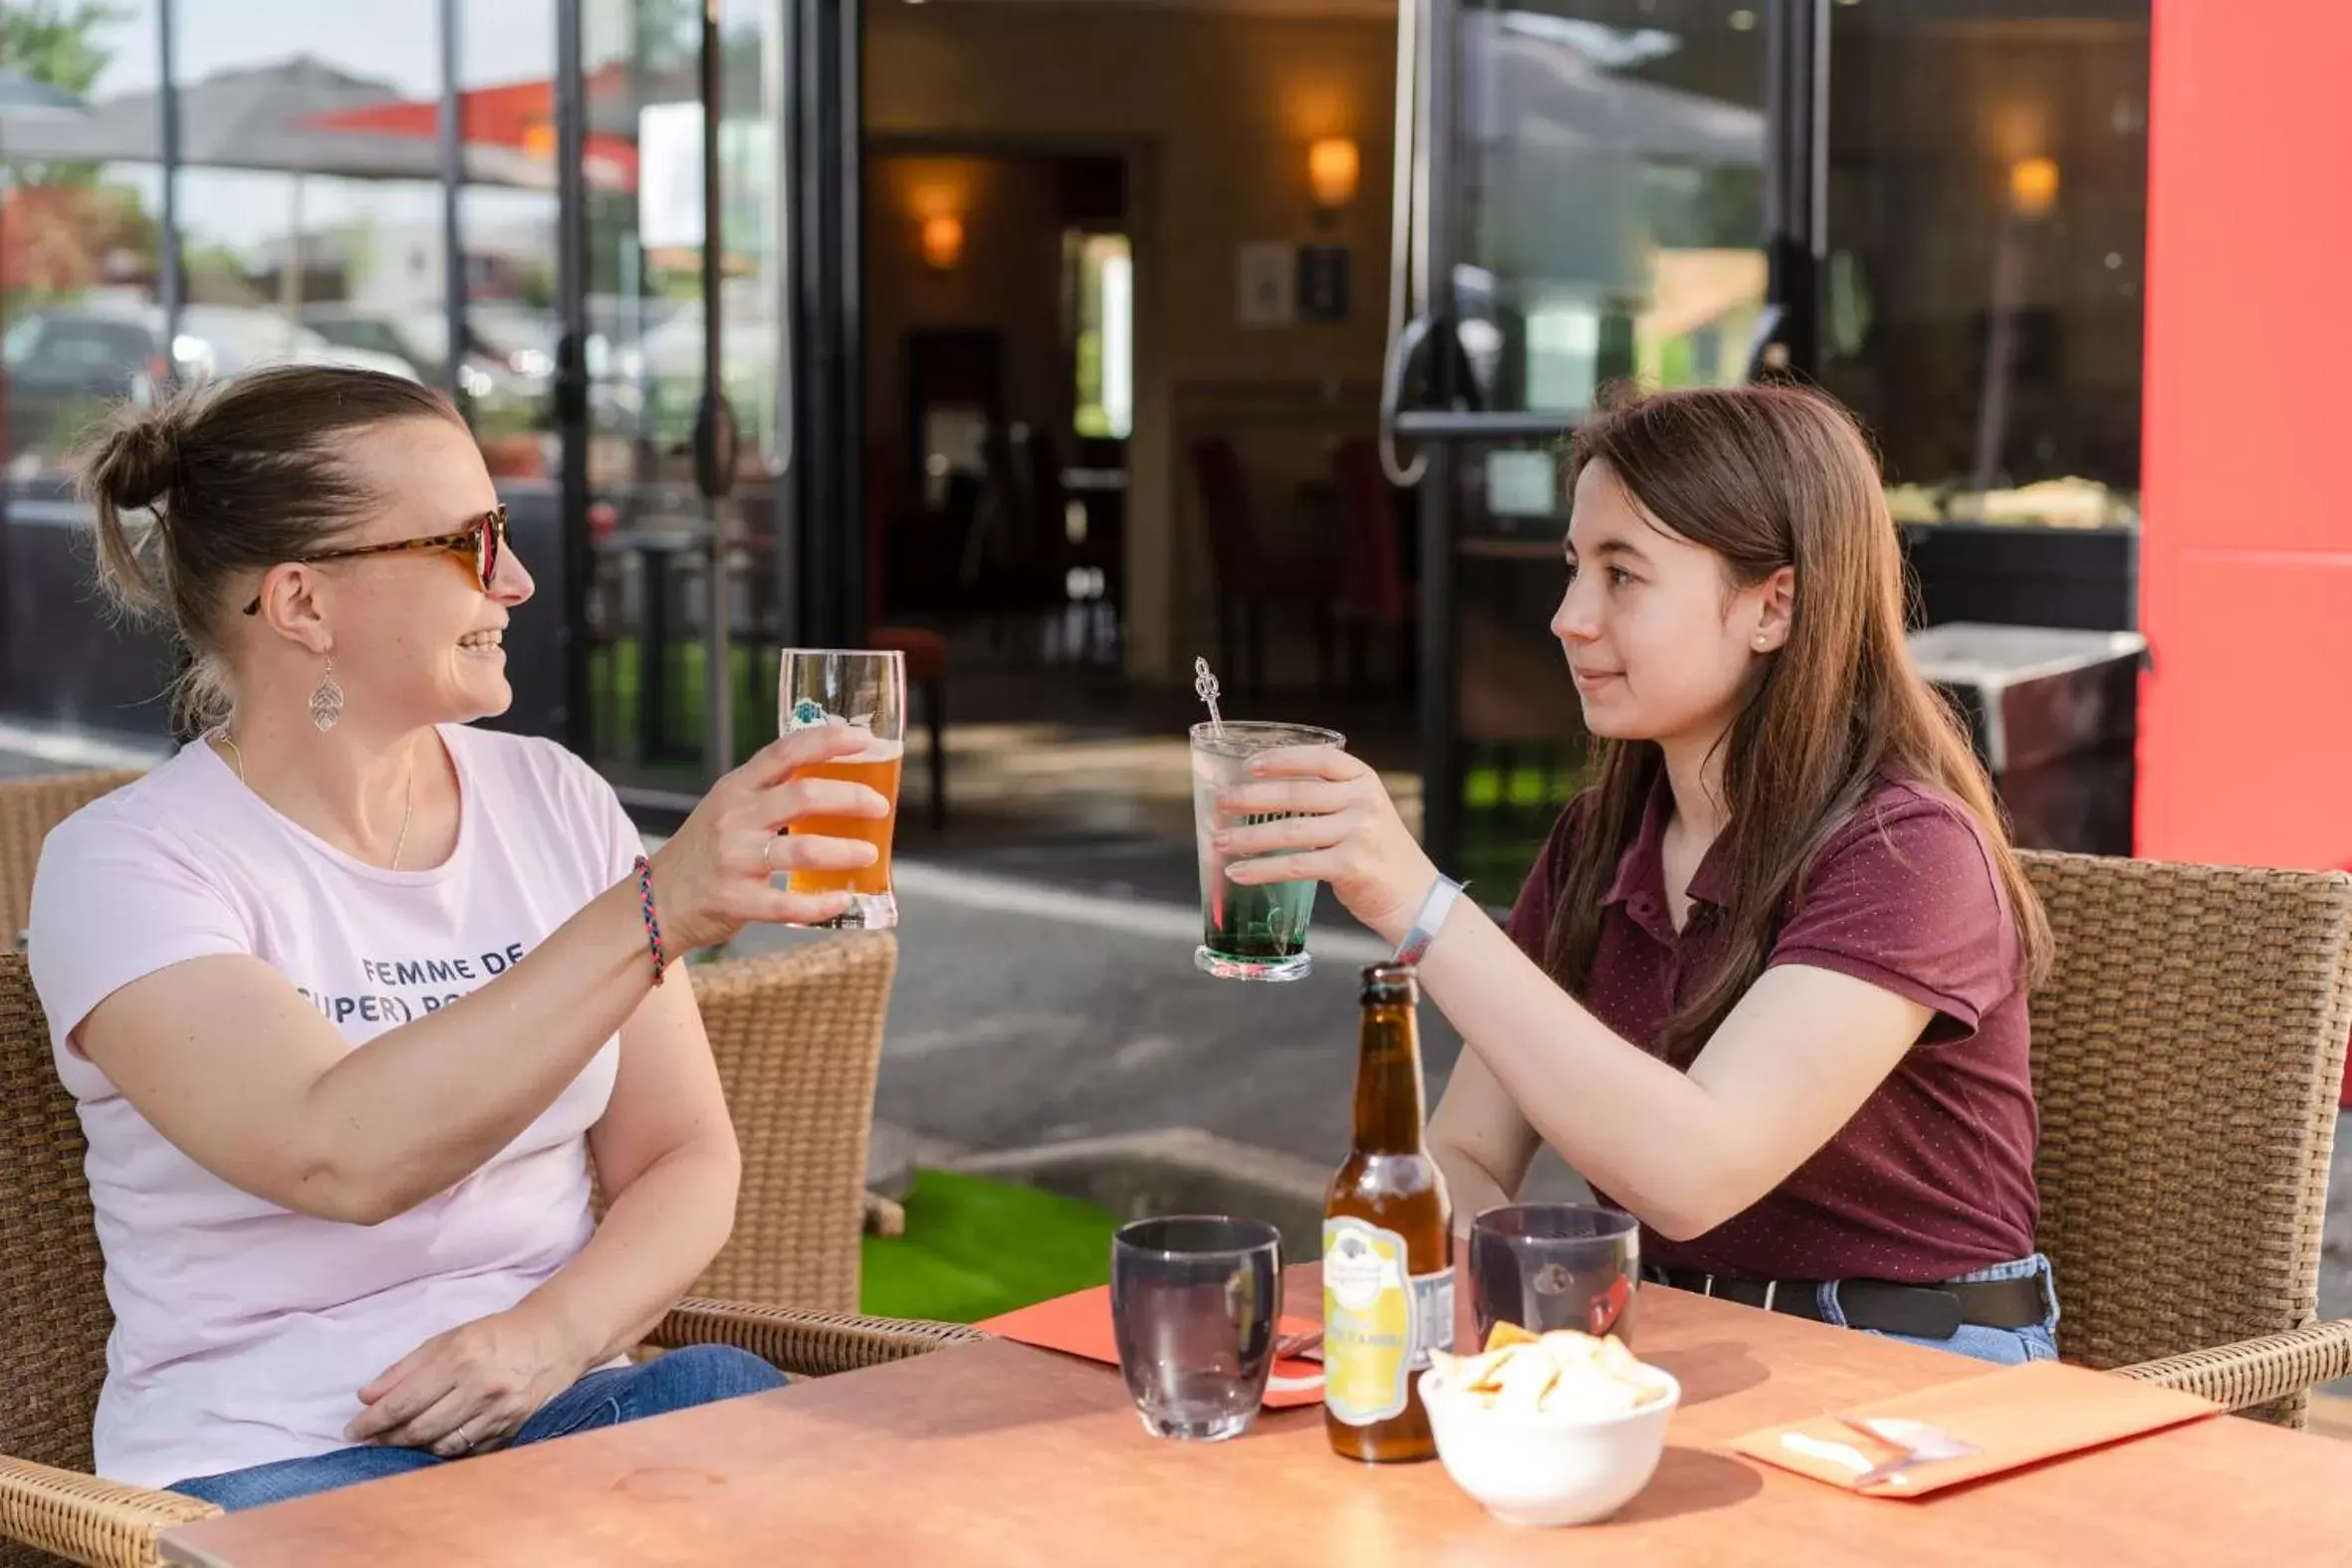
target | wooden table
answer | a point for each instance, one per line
(998, 1453)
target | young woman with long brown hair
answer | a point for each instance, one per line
(1766, 987)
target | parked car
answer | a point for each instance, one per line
(66, 364)
(229, 339)
(418, 336)
(65, 367)
(510, 350)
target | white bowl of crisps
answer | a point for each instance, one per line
(1556, 1429)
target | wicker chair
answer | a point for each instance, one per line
(53, 1297)
(29, 808)
(2187, 1054)
(799, 1039)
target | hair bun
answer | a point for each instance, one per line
(132, 465)
(138, 461)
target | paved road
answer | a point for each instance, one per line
(1026, 1015)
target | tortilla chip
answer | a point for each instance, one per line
(1564, 1370)
(1504, 1335)
(1526, 1380)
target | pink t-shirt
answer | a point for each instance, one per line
(244, 1331)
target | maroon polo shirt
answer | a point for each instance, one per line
(1934, 1176)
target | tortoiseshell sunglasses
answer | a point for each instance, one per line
(483, 541)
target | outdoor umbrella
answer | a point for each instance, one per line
(262, 118)
(514, 119)
(20, 94)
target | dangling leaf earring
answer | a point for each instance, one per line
(326, 700)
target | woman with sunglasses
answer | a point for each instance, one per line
(353, 996)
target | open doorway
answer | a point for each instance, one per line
(1124, 291)
(999, 373)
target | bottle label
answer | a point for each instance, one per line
(1381, 1320)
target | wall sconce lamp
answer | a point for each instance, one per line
(1333, 168)
(2034, 186)
(943, 242)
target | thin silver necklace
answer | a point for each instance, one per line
(408, 790)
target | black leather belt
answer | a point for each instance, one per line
(1927, 1311)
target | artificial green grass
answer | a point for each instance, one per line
(974, 1248)
(616, 675)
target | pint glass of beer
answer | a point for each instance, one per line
(865, 689)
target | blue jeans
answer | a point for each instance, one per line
(697, 1374)
(2009, 1347)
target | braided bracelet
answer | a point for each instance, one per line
(652, 920)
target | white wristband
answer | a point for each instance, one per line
(1432, 919)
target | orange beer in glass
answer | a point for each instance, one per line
(866, 690)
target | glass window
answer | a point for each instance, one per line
(649, 525)
(308, 187)
(751, 217)
(501, 362)
(1103, 282)
(81, 200)
(753, 294)
(1612, 166)
(1987, 216)
(507, 216)
(1609, 219)
(645, 245)
(1522, 748)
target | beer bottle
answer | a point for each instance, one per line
(1388, 1265)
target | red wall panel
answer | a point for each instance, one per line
(2246, 549)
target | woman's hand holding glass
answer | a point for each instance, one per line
(1332, 821)
(719, 872)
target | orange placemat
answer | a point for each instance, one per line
(2016, 1417)
(1080, 1325)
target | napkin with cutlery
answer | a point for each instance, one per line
(1973, 1427)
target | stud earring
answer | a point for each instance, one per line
(326, 700)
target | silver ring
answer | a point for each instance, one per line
(768, 855)
(465, 1444)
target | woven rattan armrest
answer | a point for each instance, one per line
(805, 1344)
(89, 1521)
(2257, 1371)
